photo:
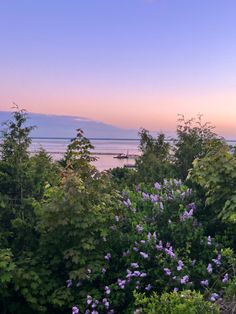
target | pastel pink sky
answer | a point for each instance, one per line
(132, 64)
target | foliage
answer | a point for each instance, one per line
(155, 162)
(194, 139)
(216, 174)
(184, 302)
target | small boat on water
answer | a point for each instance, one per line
(122, 156)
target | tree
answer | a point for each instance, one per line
(194, 139)
(155, 162)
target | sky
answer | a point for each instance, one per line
(129, 63)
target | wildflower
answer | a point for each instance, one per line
(142, 241)
(149, 236)
(161, 206)
(204, 283)
(107, 290)
(226, 278)
(68, 283)
(184, 280)
(180, 265)
(148, 287)
(144, 255)
(89, 299)
(135, 249)
(107, 257)
(176, 289)
(167, 271)
(104, 270)
(209, 268)
(75, 310)
(214, 297)
(134, 265)
(137, 188)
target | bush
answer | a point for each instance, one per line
(184, 302)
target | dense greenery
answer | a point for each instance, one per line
(157, 239)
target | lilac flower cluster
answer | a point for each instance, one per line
(217, 260)
(184, 280)
(107, 257)
(186, 215)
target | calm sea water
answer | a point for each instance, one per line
(105, 150)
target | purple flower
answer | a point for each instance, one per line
(75, 310)
(180, 265)
(127, 203)
(170, 252)
(214, 297)
(142, 275)
(145, 196)
(167, 271)
(107, 290)
(107, 257)
(176, 289)
(148, 287)
(144, 255)
(134, 265)
(226, 278)
(209, 240)
(217, 261)
(184, 280)
(154, 236)
(104, 270)
(149, 236)
(121, 283)
(137, 188)
(106, 303)
(159, 246)
(204, 283)
(154, 198)
(161, 205)
(209, 268)
(193, 262)
(142, 241)
(186, 215)
(68, 283)
(136, 273)
(135, 249)
(89, 299)
(157, 186)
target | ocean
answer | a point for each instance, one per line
(105, 150)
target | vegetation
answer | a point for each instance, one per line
(157, 239)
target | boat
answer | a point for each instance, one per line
(122, 156)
